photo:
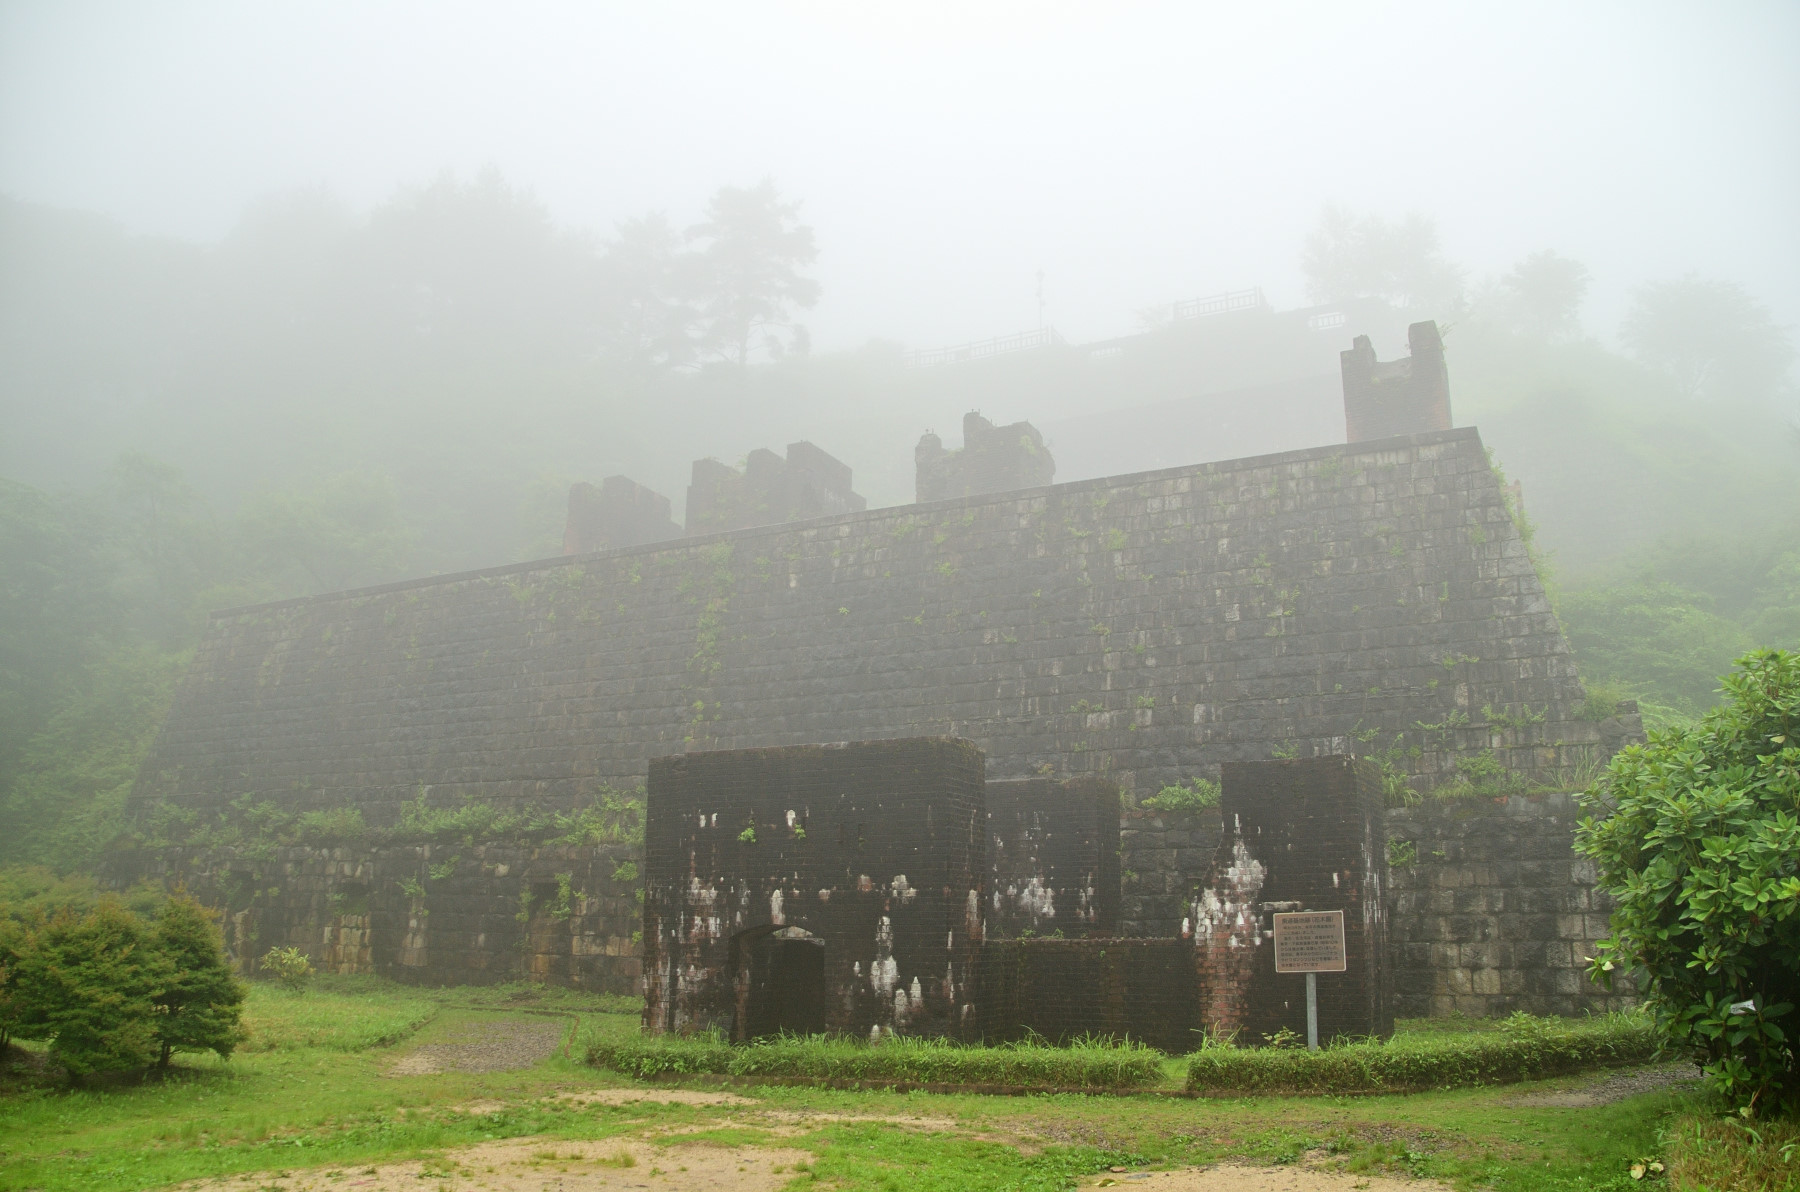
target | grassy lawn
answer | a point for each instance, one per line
(312, 1089)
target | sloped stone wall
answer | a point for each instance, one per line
(1147, 627)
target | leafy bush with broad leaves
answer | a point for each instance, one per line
(290, 966)
(1696, 836)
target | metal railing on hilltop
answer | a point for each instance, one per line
(1220, 304)
(1000, 345)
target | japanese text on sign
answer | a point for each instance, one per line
(1309, 942)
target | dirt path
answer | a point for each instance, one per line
(540, 1165)
(498, 1044)
(1232, 1177)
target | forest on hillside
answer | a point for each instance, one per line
(328, 399)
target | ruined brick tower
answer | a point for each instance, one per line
(992, 459)
(1396, 397)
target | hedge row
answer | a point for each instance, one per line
(1101, 1065)
(1523, 1048)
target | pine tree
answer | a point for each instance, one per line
(198, 1008)
(89, 984)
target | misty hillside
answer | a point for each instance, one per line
(461, 349)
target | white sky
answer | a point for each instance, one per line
(1135, 153)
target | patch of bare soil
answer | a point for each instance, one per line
(536, 1165)
(494, 1045)
(1615, 1086)
(1232, 1177)
(635, 1096)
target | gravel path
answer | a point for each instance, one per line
(1615, 1086)
(490, 1045)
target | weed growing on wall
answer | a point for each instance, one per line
(1195, 795)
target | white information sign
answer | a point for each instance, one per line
(1309, 942)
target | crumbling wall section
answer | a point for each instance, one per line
(992, 459)
(1408, 396)
(771, 489)
(618, 513)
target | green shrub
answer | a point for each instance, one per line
(88, 984)
(1196, 795)
(1697, 838)
(1525, 1048)
(290, 966)
(200, 1004)
(1096, 1065)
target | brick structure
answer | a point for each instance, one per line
(1302, 835)
(814, 888)
(1396, 397)
(992, 459)
(1053, 858)
(770, 490)
(620, 512)
(1144, 629)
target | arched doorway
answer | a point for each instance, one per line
(779, 975)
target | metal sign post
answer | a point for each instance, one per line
(1310, 942)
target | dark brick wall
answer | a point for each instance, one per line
(1053, 857)
(425, 914)
(1147, 990)
(1164, 858)
(1298, 835)
(874, 847)
(1493, 911)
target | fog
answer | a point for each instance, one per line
(946, 154)
(298, 298)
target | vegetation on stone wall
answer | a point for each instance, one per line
(1196, 794)
(1697, 839)
(255, 827)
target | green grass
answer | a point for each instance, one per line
(317, 1096)
(1097, 1065)
(1523, 1048)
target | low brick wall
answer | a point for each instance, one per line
(429, 914)
(1492, 911)
(1147, 990)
